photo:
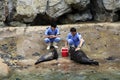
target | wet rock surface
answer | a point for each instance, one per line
(23, 46)
(4, 69)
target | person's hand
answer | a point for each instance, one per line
(52, 36)
(77, 49)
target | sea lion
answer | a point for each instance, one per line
(80, 57)
(47, 57)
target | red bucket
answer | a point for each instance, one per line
(64, 52)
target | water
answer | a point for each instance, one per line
(59, 75)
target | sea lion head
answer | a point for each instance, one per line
(52, 48)
(72, 49)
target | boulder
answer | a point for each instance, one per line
(3, 10)
(111, 4)
(4, 69)
(56, 8)
(78, 4)
(76, 17)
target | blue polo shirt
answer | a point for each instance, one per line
(49, 31)
(75, 38)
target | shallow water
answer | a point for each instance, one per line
(61, 75)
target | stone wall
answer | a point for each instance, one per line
(40, 12)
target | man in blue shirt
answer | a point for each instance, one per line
(52, 36)
(74, 39)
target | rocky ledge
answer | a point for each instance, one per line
(20, 47)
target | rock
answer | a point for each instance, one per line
(30, 8)
(16, 23)
(36, 54)
(111, 4)
(3, 10)
(100, 43)
(84, 16)
(4, 69)
(110, 58)
(26, 7)
(8, 44)
(25, 62)
(1, 60)
(110, 11)
(40, 12)
(26, 46)
(78, 4)
(57, 8)
(114, 7)
(2, 24)
(98, 9)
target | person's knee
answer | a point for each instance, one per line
(46, 40)
(57, 39)
(70, 42)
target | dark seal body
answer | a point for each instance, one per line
(80, 57)
(47, 57)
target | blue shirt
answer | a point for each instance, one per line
(49, 31)
(75, 38)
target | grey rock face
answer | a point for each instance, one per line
(81, 17)
(99, 11)
(111, 4)
(3, 10)
(57, 8)
(76, 17)
(38, 12)
(78, 4)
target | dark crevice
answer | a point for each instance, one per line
(42, 20)
(118, 15)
